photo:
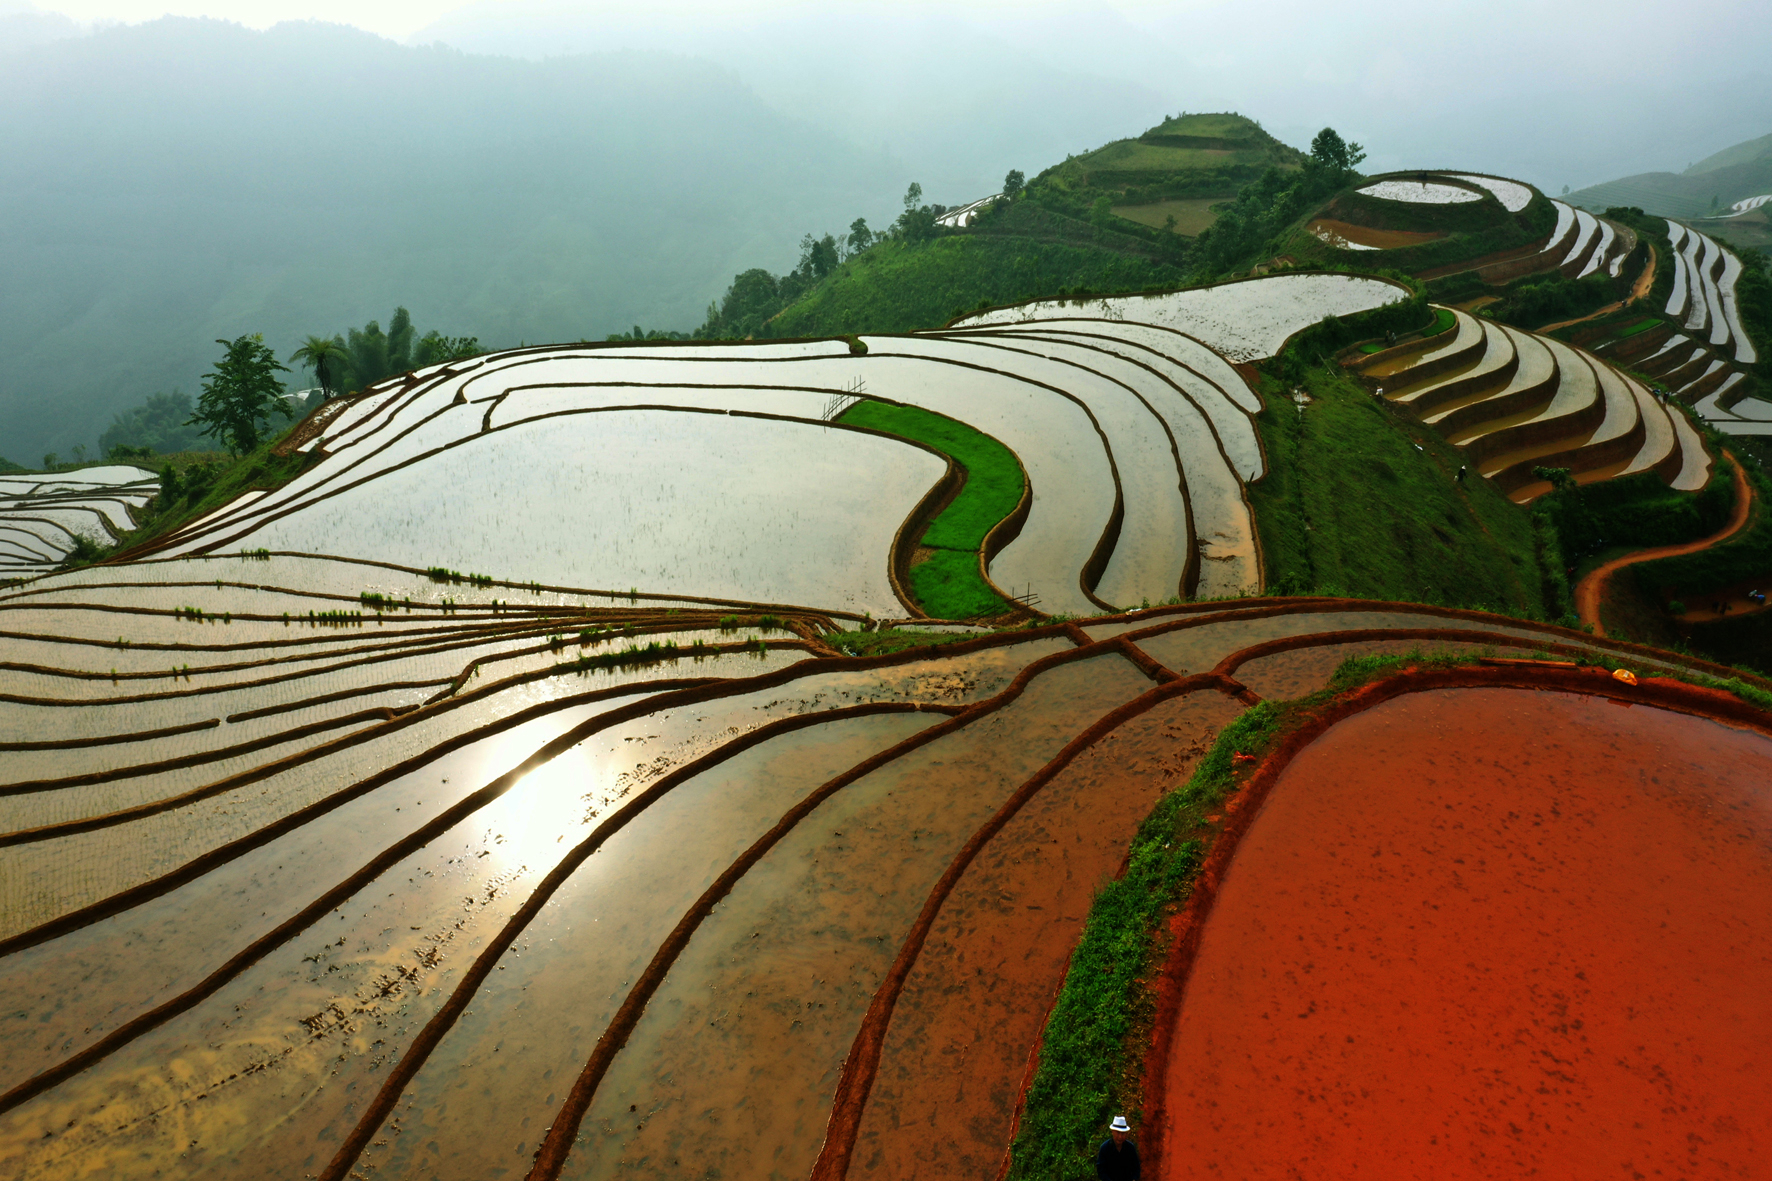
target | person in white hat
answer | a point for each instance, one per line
(1117, 1158)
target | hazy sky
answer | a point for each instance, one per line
(1573, 92)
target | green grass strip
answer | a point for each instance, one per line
(949, 585)
(1640, 326)
(949, 580)
(1089, 1058)
(1443, 320)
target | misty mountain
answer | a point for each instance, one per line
(966, 98)
(170, 183)
(970, 88)
(1709, 186)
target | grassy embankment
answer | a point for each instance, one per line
(200, 484)
(1092, 1050)
(902, 287)
(944, 576)
(1189, 216)
(1360, 501)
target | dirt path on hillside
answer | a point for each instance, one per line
(1638, 290)
(1590, 592)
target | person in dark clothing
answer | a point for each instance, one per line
(1117, 1158)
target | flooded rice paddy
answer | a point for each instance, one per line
(1487, 932)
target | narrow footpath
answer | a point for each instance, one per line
(1638, 290)
(1590, 592)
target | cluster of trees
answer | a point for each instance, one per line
(756, 296)
(243, 395)
(1277, 198)
(360, 358)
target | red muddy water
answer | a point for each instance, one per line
(1489, 933)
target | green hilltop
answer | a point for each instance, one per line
(1135, 214)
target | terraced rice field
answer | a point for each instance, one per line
(1700, 365)
(619, 860)
(1347, 236)
(537, 889)
(614, 468)
(1420, 192)
(1515, 401)
(1242, 321)
(1513, 195)
(42, 515)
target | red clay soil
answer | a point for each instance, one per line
(1590, 592)
(956, 1052)
(1367, 236)
(1484, 932)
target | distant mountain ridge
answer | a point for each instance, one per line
(170, 183)
(1707, 187)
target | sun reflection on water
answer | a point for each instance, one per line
(547, 814)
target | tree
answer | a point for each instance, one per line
(818, 256)
(400, 341)
(1013, 183)
(369, 355)
(327, 358)
(917, 222)
(860, 237)
(1331, 151)
(433, 348)
(241, 393)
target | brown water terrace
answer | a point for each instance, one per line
(1490, 933)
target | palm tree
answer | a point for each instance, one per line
(324, 357)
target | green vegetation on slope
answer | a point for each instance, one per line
(901, 287)
(159, 426)
(1639, 511)
(194, 486)
(1084, 1055)
(1553, 297)
(948, 584)
(7, 467)
(1360, 501)
(1057, 236)
(1185, 156)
